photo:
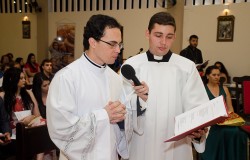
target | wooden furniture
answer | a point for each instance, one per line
(31, 141)
(239, 81)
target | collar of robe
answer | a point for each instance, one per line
(158, 59)
(97, 65)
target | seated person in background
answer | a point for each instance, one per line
(7, 149)
(223, 142)
(223, 71)
(64, 61)
(4, 67)
(40, 89)
(5, 59)
(55, 65)
(19, 65)
(31, 67)
(55, 50)
(16, 98)
(46, 69)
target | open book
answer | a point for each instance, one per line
(202, 65)
(210, 113)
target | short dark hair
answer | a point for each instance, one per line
(161, 18)
(43, 63)
(95, 27)
(18, 59)
(193, 36)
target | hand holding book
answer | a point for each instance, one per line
(202, 65)
(198, 134)
(196, 119)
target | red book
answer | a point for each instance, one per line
(210, 113)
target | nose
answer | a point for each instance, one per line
(117, 49)
(163, 40)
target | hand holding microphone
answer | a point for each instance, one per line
(141, 88)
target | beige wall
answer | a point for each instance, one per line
(11, 35)
(134, 24)
(202, 21)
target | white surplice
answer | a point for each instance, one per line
(174, 87)
(77, 122)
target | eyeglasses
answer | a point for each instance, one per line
(113, 44)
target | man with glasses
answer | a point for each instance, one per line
(84, 99)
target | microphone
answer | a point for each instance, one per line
(141, 49)
(129, 73)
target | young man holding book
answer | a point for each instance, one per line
(174, 87)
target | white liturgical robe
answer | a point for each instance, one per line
(174, 87)
(77, 122)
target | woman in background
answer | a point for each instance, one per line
(16, 99)
(223, 71)
(40, 89)
(223, 142)
(20, 64)
(31, 67)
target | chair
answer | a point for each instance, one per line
(31, 141)
(245, 83)
(239, 91)
(222, 80)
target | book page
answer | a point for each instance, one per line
(22, 114)
(200, 115)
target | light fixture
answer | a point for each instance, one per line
(226, 9)
(25, 18)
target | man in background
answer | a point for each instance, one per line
(193, 53)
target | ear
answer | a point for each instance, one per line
(174, 36)
(147, 34)
(92, 42)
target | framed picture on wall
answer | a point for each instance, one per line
(26, 29)
(225, 29)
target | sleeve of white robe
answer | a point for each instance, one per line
(193, 95)
(72, 134)
(131, 105)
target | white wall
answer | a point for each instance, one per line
(202, 21)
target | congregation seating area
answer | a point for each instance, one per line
(43, 23)
(32, 141)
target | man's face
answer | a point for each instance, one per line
(47, 67)
(160, 39)
(106, 50)
(193, 42)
